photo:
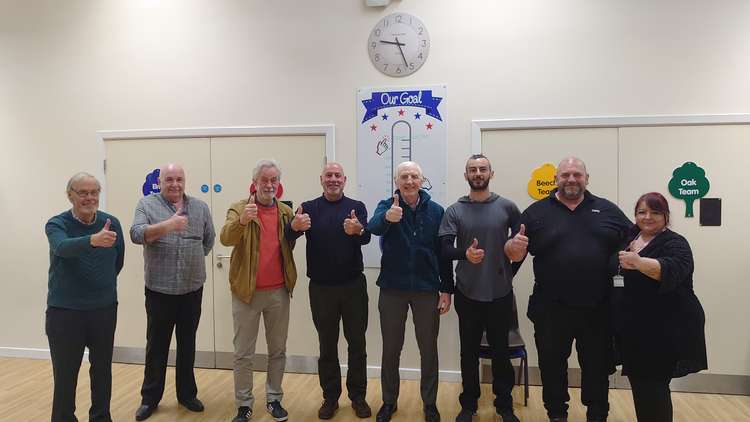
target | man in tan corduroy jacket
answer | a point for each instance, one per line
(262, 275)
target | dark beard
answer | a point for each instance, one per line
(485, 184)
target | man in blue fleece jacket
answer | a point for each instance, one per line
(412, 274)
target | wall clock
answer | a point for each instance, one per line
(399, 44)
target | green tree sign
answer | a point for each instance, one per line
(689, 183)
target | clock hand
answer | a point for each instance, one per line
(402, 52)
(392, 43)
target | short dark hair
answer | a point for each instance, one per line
(655, 201)
(477, 157)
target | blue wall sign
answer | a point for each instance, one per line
(151, 185)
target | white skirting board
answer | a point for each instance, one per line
(694, 383)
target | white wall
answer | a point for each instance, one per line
(70, 69)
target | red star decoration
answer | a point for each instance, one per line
(401, 112)
(373, 128)
(429, 126)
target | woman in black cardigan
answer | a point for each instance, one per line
(662, 321)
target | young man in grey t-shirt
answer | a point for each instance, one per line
(482, 232)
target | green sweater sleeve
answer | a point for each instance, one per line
(61, 244)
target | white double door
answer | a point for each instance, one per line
(225, 166)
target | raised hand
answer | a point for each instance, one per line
(105, 238)
(301, 221)
(250, 212)
(178, 222)
(394, 213)
(352, 226)
(519, 244)
(473, 253)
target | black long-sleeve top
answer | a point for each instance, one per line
(333, 257)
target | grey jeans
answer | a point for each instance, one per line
(274, 306)
(394, 306)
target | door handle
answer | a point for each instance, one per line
(220, 257)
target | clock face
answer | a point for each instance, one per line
(398, 44)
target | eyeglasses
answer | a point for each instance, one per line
(85, 193)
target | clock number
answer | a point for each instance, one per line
(386, 22)
(373, 45)
(420, 56)
(377, 57)
(377, 32)
(411, 66)
(399, 18)
(424, 43)
(398, 69)
(385, 67)
(420, 30)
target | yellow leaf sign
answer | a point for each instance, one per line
(542, 181)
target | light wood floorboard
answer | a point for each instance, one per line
(26, 395)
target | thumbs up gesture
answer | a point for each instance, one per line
(518, 245)
(394, 213)
(301, 221)
(473, 253)
(352, 226)
(105, 238)
(178, 222)
(250, 212)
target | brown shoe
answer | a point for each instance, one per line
(328, 409)
(361, 408)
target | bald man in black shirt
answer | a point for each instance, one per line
(572, 235)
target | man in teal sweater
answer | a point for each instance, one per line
(86, 251)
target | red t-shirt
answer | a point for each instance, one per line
(270, 275)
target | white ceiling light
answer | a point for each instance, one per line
(377, 3)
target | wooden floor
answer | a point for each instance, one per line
(26, 395)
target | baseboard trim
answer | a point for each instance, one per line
(309, 365)
(694, 383)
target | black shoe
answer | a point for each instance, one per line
(361, 408)
(386, 412)
(431, 413)
(558, 419)
(508, 415)
(596, 420)
(277, 412)
(193, 405)
(328, 409)
(144, 411)
(465, 415)
(243, 414)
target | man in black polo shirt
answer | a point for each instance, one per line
(332, 224)
(572, 235)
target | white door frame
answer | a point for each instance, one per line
(327, 130)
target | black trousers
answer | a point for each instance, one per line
(165, 313)
(652, 399)
(69, 332)
(394, 307)
(332, 305)
(555, 327)
(474, 318)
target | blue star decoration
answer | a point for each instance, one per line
(417, 116)
(385, 117)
